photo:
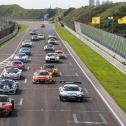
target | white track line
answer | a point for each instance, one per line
(110, 108)
(20, 102)
(104, 121)
(75, 118)
(25, 81)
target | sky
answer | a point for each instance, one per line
(40, 4)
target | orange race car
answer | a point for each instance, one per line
(42, 76)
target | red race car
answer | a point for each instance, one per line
(6, 105)
(16, 64)
(61, 54)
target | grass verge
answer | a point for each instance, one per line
(110, 77)
(23, 28)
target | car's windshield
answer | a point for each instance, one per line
(6, 82)
(16, 63)
(4, 99)
(42, 73)
(11, 70)
(71, 88)
(52, 54)
(49, 45)
(21, 54)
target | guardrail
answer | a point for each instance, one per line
(6, 38)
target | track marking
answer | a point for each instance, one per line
(61, 110)
(75, 118)
(25, 81)
(77, 74)
(61, 73)
(104, 121)
(70, 63)
(89, 122)
(20, 102)
(28, 68)
(86, 91)
(99, 93)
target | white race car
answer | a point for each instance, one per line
(41, 36)
(12, 73)
(52, 41)
(22, 57)
(52, 37)
(27, 43)
(72, 92)
(8, 86)
(52, 57)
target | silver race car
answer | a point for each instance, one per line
(26, 43)
(52, 57)
(22, 57)
(8, 86)
(72, 92)
(12, 73)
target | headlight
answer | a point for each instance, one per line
(63, 94)
(79, 95)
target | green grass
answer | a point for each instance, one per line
(23, 28)
(111, 78)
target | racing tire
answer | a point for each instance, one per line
(61, 99)
(12, 102)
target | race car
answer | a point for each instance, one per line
(8, 86)
(6, 105)
(35, 38)
(26, 50)
(42, 76)
(12, 73)
(22, 57)
(26, 43)
(41, 36)
(49, 47)
(52, 41)
(72, 92)
(51, 69)
(60, 54)
(42, 25)
(16, 64)
(52, 57)
(33, 32)
(52, 37)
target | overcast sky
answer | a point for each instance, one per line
(39, 4)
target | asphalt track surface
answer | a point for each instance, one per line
(39, 104)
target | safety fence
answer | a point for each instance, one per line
(111, 41)
(16, 28)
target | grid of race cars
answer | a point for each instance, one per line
(9, 85)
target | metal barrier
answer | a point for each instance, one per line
(111, 41)
(6, 38)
